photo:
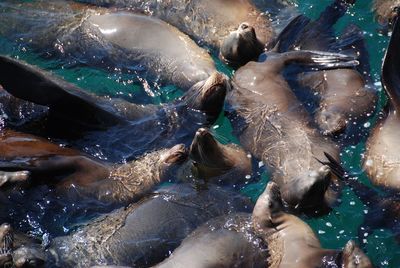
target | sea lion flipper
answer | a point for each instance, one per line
(32, 84)
(391, 67)
(303, 33)
(318, 60)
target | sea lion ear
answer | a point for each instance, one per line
(390, 76)
(354, 257)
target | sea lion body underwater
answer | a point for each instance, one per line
(344, 96)
(226, 241)
(122, 128)
(144, 233)
(207, 21)
(292, 243)
(273, 125)
(382, 159)
(96, 37)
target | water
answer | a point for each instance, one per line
(334, 229)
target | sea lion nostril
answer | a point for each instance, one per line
(244, 26)
(201, 132)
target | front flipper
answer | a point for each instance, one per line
(316, 60)
(65, 100)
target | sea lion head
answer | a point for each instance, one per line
(307, 190)
(172, 160)
(28, 256)
(241, 46)
(208, 96)
(330, 122)
(211, 159)
(7, 239)
(354, 257)
(268, 204)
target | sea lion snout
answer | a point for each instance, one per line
(28, 257)
(177, 154)
(203, 146)
(241, 46)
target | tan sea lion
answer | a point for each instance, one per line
(292, 243)
(208, 21)
(382, 160)
(71, 170)
(273, 125)
(345, 98)
(91, 36)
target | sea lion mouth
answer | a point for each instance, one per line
(7, 240)
(176, 155)
(241, 46)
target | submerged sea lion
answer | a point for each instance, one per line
(72, 171)
(272, 124)
(216, 162)
(382, 160)
(226, 241)
(344, 95)
(114, 40)
(144, 233)
(126, 129)
(208, 21)
(292, 243)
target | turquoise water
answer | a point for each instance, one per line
(334, 229)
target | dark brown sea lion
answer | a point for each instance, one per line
(218, 163)
(144, 233)
(382, 159)
(292, 243)
(131, 128)
(207, 21)
(97, 37)
(344, 96)
(272, 124)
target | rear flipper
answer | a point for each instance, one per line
(316, 60)
(65, 100)
(303, 33)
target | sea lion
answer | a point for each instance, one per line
(144, 233)
(272, 124)
(226, 164)
(207, 21)
(382, 160)
(346, 99)
(226, 241)
(292, 243)
(119, 124)
(98, 37)
(74, 173)
(385, 11)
